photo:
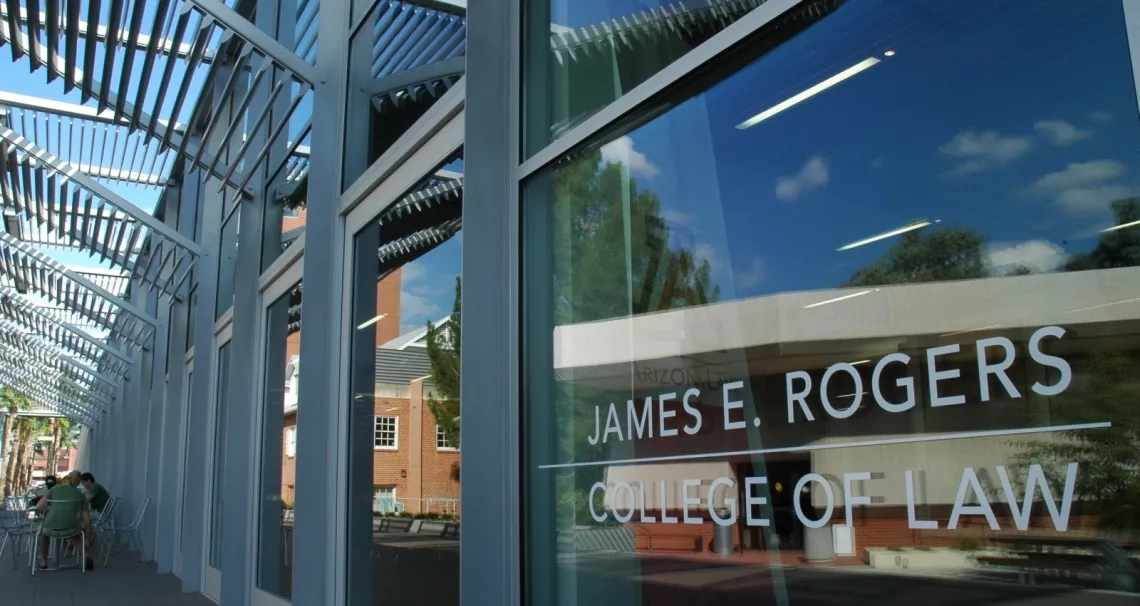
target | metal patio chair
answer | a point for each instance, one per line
(131, 530)
(15, 526)
(80, 530)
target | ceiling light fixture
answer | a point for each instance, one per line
(1121, 226)
(371, 322)
(843, 298)
(865, 64)
(889, 53)
(887, 234)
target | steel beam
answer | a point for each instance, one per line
(74, 277)
(98, 189)
(19, 300)
(265, 43)
(428, 73)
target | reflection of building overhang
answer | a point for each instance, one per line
(795, 324)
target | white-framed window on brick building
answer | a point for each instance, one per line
(443, 440)
(386, 435)
(291, 441)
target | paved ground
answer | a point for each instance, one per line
(124, 582)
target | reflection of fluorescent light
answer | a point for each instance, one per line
(962, 332)
(843, 298)
(809, 93)
(371, 322)
(1073, 311)
(859, 362)
(1116, 227)
(887, 234)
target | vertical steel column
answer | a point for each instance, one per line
(318, 561)
(197, 453)
(180, 214)
(489, 551)
(242, 441)
(156, 408)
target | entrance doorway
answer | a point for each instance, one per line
(784, 530)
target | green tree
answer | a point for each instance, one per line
(12, 401)
(1117, 248)
(948, 253)
(1106, 388)
(443, 352)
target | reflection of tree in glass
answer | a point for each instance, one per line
(611, 248)
(950, 253)
(443, 348)
(1106, 388)
(612, 258)
(1118, 248)
(956, 253)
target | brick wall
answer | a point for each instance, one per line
(440, 474)
(387, 465)
(288, 464)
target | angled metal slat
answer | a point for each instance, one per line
(148, 63)
(71, 32)
(110, 50)
(129, 58)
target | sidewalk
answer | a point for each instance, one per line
(124, 582)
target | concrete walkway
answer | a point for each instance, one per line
(124, 582)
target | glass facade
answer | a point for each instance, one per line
(279, 422)
(875, 314)
(608, 301)
(218, 457)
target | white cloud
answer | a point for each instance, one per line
(1084, 187)
(416, 311)
(411, 272)
(1040, 255)
(1090, 200)
(621, 151)
(1100, 116)
(704, 251)
(673, 216)
(1080, 174)
(812, 176)
(980, 151)
(1060, 132)
(752, 275)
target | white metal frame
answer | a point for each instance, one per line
(422, 149)
(277, 280)
(212, 577)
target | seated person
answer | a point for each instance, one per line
(49, 483)
(95, 494)
(67, 513)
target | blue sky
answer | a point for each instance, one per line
(1019, 123)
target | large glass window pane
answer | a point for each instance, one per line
(581, 55)
(279, 445)
(217, 492)
(404, 457)
(866, 299)
(227, 261)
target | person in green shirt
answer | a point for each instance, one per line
(65, 513)
(96, 495)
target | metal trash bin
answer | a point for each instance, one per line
(819, 545)
(722, 535)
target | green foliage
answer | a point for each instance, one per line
(949, 253)
(1118, 248)
(443, 349)
(1106, 387)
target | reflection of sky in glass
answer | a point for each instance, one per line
(1018, 124)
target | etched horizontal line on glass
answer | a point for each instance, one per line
(813, 447)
